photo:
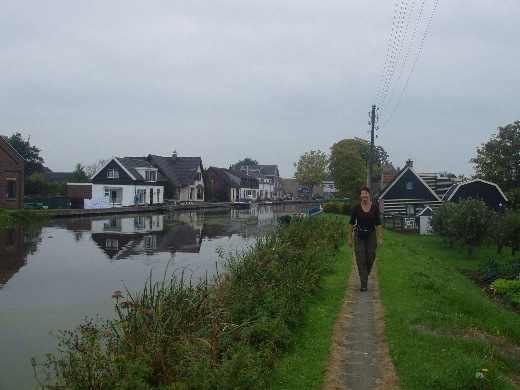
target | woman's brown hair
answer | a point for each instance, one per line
(364, 188)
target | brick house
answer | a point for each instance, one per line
(11, 177)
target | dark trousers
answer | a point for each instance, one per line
(365, 251)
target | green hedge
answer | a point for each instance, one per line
(342, 207)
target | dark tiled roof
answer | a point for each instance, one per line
(221, 172)
(132, 163)
(56, 177)
(182, 171)
(268, 170)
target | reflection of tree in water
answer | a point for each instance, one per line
(31, 239)
(78, 236)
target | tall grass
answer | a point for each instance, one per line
(442, 330)
(21, 217)
(223, 333)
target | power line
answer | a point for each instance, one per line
(398, 36)
(415, 63)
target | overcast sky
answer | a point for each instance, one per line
(269, 80)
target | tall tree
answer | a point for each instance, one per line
(349, 161)
(245, 162)
(348, 169)
(79, 175)
(498, 160)
(31, 154)
(311, 168)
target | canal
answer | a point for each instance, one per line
(54, 278)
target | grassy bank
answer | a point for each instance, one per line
(21, 218)
(226, 333)
(303, 365)
(442, 330)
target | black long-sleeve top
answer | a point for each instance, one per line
(369, 220)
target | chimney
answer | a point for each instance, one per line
(409, 163)
(174, 155)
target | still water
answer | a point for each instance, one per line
(54, 278)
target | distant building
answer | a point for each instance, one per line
(489, 192)
(272, 175)
(127, 181)
(185, 173)
(12, 167)
(230, 185)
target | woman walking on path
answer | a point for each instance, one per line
(365, 219)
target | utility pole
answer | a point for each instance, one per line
(372, 123)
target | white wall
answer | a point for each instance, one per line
(128, 191)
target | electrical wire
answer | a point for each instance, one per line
(398, 36)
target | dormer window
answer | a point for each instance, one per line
(409, 185)
(113, 173)
(151, 175)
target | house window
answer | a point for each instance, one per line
(158, 195)
(113, 225)
(410, 209)
(115, 195)
(151, 176)
(409, 185)
(11, 189)
(141, 196)
(111, 243)
(113, 173)
(199, 176)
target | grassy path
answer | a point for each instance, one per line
(443, 332)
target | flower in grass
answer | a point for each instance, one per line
(484, 369)
(117, 295)
(148, 312)
(126, 304)
(479, 375)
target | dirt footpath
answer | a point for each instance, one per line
(359, 357)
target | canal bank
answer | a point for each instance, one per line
(67, 270)
(166, 207)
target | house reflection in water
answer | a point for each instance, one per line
(121, 238)
(12, 256)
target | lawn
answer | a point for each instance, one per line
(443, 331)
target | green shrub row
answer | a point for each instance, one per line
(510, 288)
(21, 217)
(223, 333)
(493, 269)
(342, 207)
(470, 224)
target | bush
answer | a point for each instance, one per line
(493, 269)
(510, 288)
(343, 207)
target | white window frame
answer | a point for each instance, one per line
(108, 193)
(141, 195)
(113, 173)
(151, 175)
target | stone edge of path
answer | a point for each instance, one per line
(359, 357)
